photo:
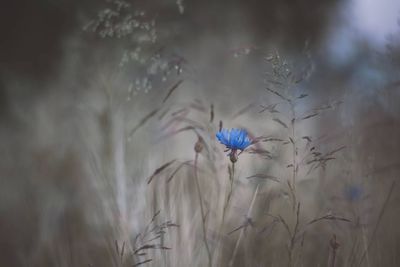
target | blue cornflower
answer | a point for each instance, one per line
(234, 139)
(353, 192)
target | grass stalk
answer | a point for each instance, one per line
(231, 262)
(203, 217)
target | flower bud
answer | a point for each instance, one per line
(233, 156)
(198, 147)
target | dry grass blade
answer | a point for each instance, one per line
(156, 237)
(302, 96)
(180, 117)
(172, 89)
(270, 108)
(177, 169)
(184, 129)
(378, 222)
(335, 150)
(116, 246)
(280, 122)
(197, 106)
(272, 139)
(143, 121)
(264, 176)
(123, 249)
(283, 222)
(259, 151)
(160, 169)
(329, 106)
(155, 215)
(169, 224)
(189, 121)
(178, 112)
(162, 115)
(141, 254)
(330, 218)
(278, 94)
(257, 139)
(268, 229)
(237, 229)
(142, 262)
(211, 113)
(154, 246)
(144, 248)
(276, 82)
(323, 160)
(309, 116)
(248, 222)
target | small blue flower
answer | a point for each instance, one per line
(234, 139)
(353, 192)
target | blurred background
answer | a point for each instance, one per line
(95, 97)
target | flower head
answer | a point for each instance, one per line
(234, 139)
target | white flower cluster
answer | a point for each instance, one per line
(136, 30)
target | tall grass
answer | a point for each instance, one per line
(153, 187)
(222, 218)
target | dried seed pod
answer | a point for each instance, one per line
(334, 244)
(198, 147)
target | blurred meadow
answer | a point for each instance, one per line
(109, 112)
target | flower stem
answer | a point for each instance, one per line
(242, 230)
(226, 203)
(203, 217)
(231, 179)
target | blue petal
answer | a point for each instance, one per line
(234, 138)
(223, 136)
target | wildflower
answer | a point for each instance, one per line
(234, 140)
(353, 192)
